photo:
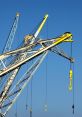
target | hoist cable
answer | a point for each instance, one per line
(16, 114)
(73, 106)
(72, 69)
(31, 96)
(46, 62)
(27, 95)
(35, 28)
(31, 101)
(26, 98)
(16, 110)
(71, 56)
(46, 79)
(46, 89)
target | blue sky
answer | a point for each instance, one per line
(64, 16)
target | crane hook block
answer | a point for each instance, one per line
(70, 77)
(30, 112)
(73, 108)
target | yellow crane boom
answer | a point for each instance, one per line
(37, 53)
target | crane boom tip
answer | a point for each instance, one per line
(17, 14)
(46, 16)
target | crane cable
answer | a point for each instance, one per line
(71, 71)
(73, 106)
(27, 98)
(31, 95)
(35, 28)
(71, 76)
(31, 101)
(16, 112)
(46, 105)
(46, 80)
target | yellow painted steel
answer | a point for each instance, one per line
(71, 78)
(30, 37)
(63, 38)
(45, 18)
(40, 51)
(57, 41)
(43, 22)
(68, 40)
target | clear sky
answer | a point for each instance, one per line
(64, 16)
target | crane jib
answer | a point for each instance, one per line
(40, 51)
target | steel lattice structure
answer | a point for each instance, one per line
(32, 48)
